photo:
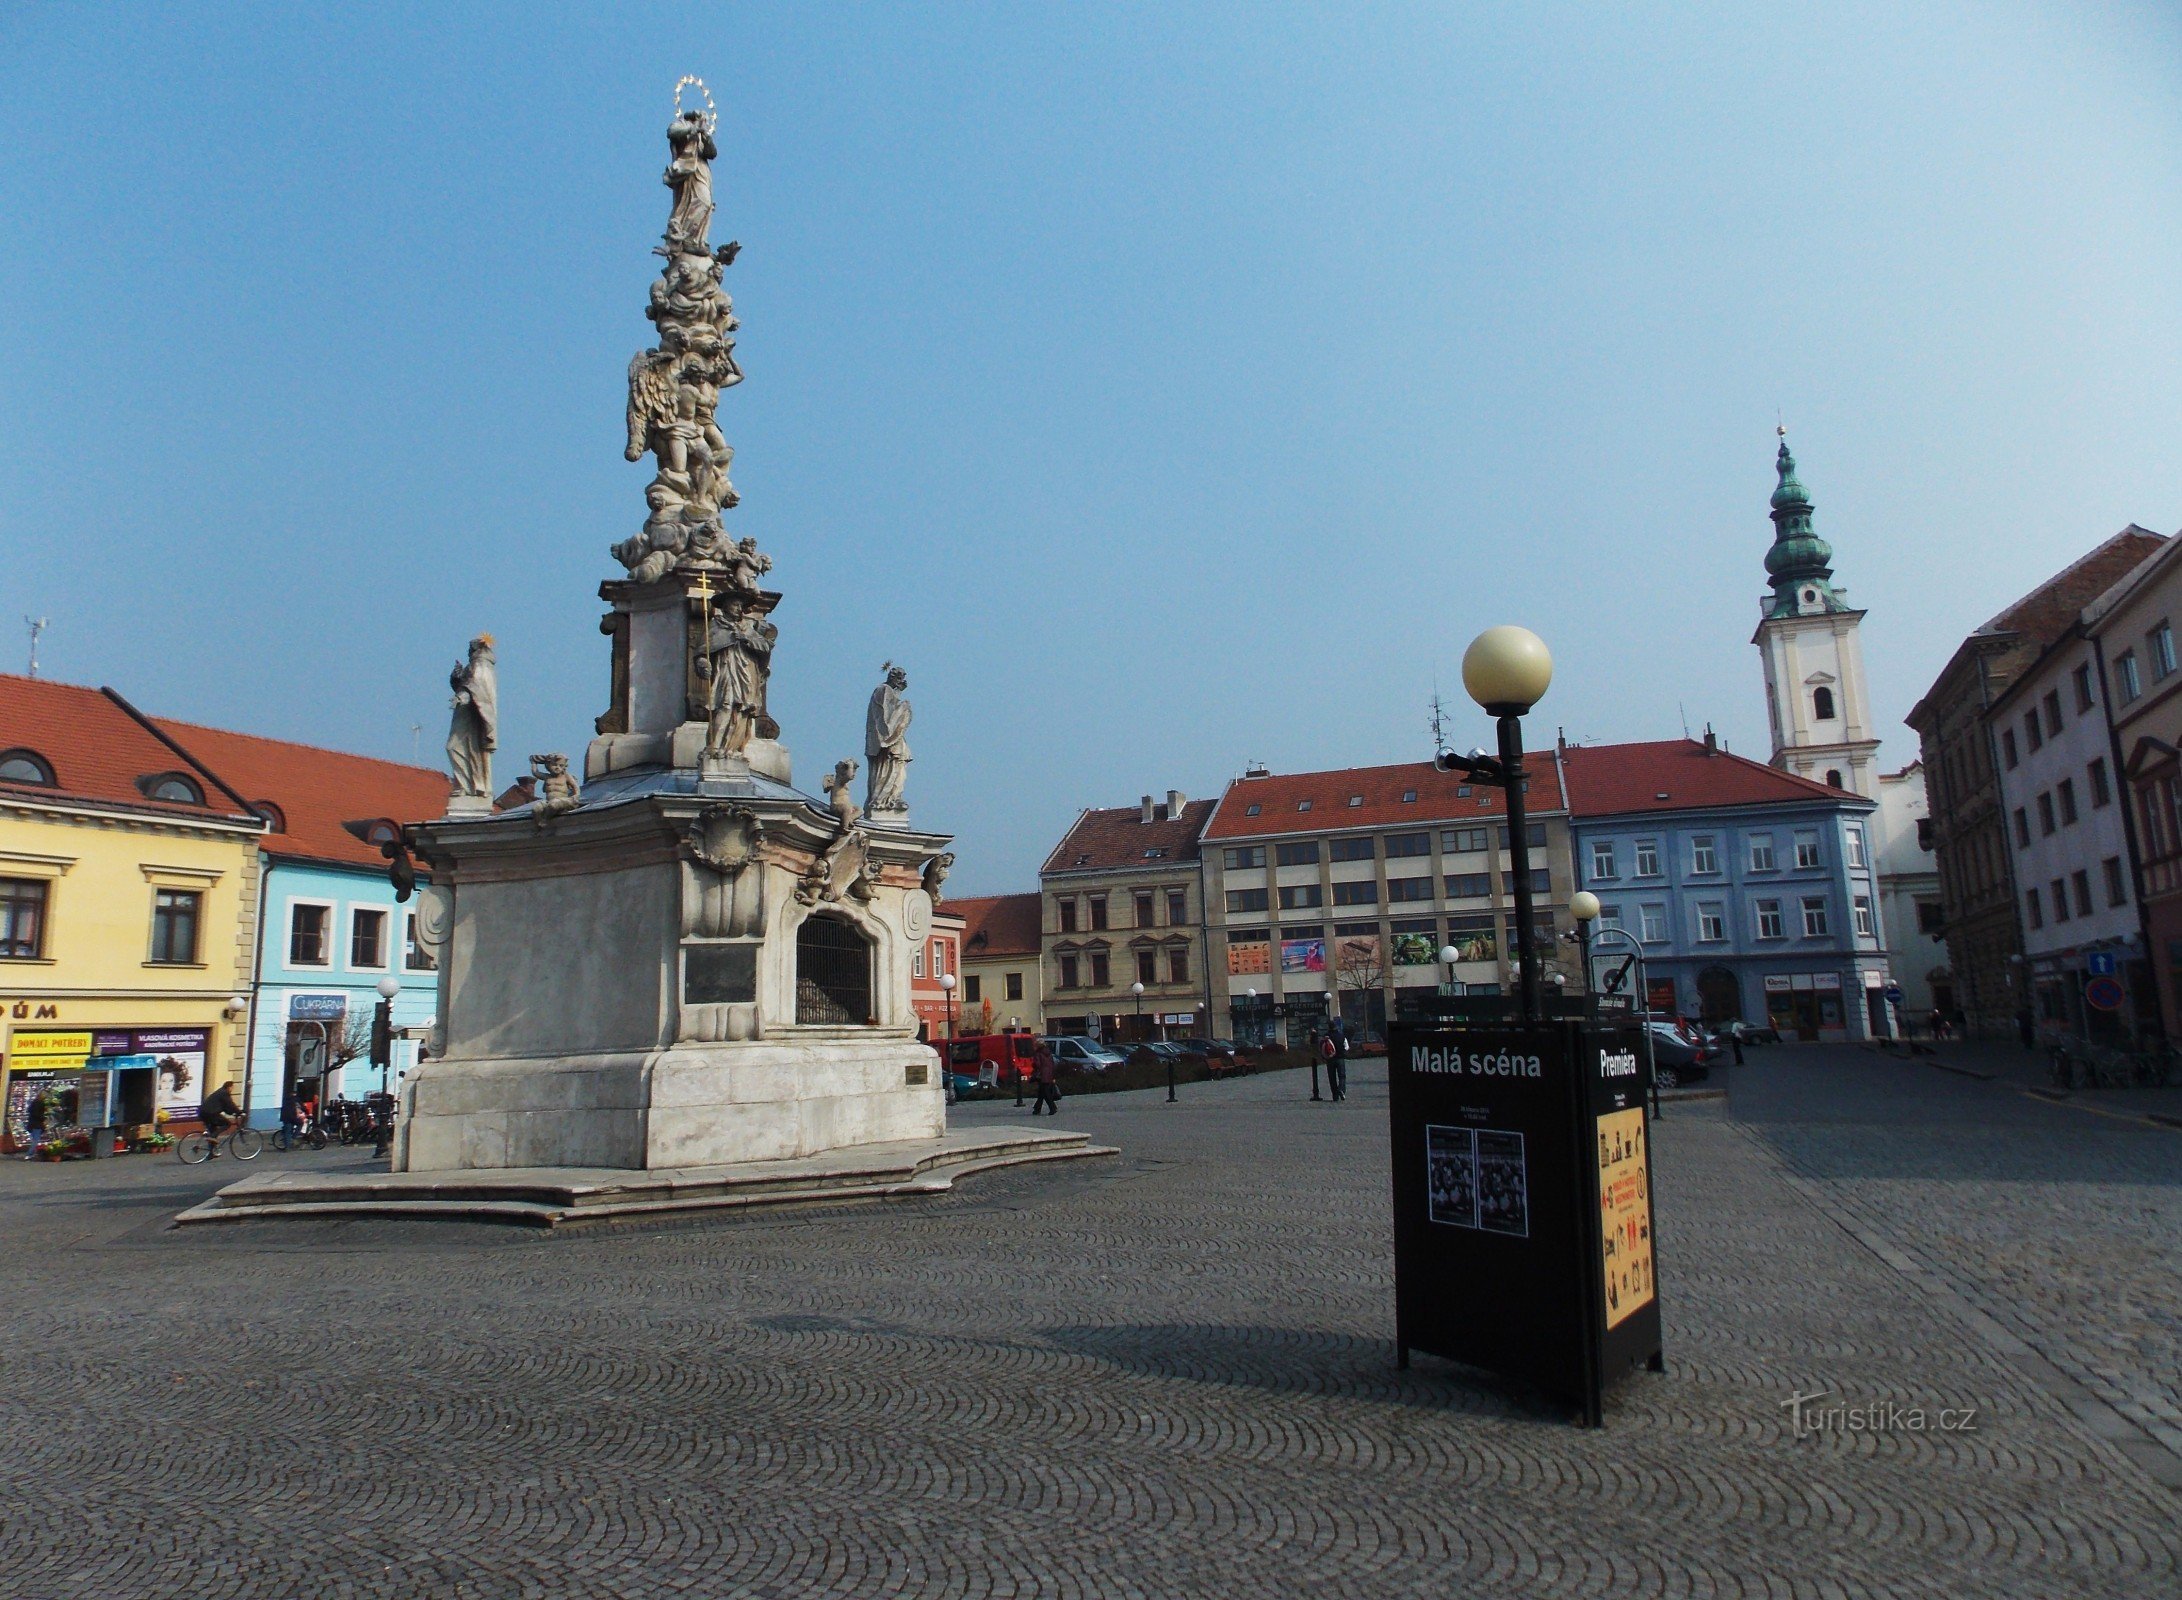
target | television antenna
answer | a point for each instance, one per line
(36, 625)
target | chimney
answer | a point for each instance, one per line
(1712, 744)
(1145, 811)
(1257, 769)
(1176, 800)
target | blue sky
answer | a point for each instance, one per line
(1165, 386)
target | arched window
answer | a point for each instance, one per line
(274, 817)
(1822, 703)
(1833, 777)
(833, 973)
(177, 787)
(25, 766)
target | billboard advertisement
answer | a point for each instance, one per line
(1303, 955)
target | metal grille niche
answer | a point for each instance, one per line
(833, 973)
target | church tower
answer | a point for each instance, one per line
(1814, 657)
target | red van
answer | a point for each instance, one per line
(991, 1057)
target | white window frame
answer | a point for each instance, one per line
(1711, 923)
(1770, 923)
(409, 937)
(916, 963)
(1854, 846)
(1647, 850)
(1652, 923)
(332, 908)
(1865, 927)
(1807, 856)
(1814, 909)
(1603, 867)
(1705, 855)
(1768, 862)
(351, 911)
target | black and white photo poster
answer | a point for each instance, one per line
(1450, 1156)
(1477, 1178)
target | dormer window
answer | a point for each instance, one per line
(273, 817)
(1356, 799)
(178, 788)
(25, 766)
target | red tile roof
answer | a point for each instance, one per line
(1678, 775)
(96, 749)
(315, 790)
(1440, 797)
(1009, 923)
(1119, 837)
(2049, 610)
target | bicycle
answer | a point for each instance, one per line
(243, 1142)
(285, 1138)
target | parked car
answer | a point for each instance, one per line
(1676, 1061)
(1753, 1032)
(1162, 1050)
(1072, 1054)
(1222, 1056)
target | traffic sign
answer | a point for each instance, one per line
(1894, 994)
(2100, 963)
(2103, 994)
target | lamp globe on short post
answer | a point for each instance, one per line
(1250, 1008)
(1449, 955)
(1583, 905)
(1507, 670)
(382, 1057)
(947, 1068)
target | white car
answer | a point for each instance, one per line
(1071, 1054)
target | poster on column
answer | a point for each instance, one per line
(1625, 1213)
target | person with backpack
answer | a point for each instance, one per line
(1334, 1051)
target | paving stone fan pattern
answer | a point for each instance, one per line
(1167, 1375)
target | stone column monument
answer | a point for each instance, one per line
(683, 960)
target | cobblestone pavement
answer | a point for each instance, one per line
(2058, 1225)
(1164, 1375)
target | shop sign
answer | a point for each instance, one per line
(38, 1049)
(317, 1007)
(1776, 984)
(1827, 980)
(32, 1010)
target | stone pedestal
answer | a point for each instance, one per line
(691, 968)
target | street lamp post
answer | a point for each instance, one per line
(382, 1057)
(1449, 955)
(1507, 671)
(1250, 998)
(1583, 905)
(947, 1067)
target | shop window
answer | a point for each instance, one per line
(367, 938)
(833, 973)
(22, 919)
(175, 917)
(307, 942)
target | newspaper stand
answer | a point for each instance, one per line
(1523, 1240)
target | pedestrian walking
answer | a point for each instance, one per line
(2026, 1028)
(1337, 1060)
(1046, 1073)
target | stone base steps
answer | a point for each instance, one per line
(551, 1197)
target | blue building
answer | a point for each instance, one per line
(328, 929)
(1753, 891)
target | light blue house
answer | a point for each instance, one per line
(1752, 891)
(329, 930)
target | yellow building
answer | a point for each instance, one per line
(128, 903)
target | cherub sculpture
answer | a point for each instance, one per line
(556, 790)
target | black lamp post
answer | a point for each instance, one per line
(382, 1057)
(947, 987)
(1584, 907)
(1507, 671)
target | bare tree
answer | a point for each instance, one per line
(1359, 967)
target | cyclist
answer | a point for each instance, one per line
(219, 1113)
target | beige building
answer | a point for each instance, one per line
(1002, 991)
(1123, 906)
(1336, 892)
